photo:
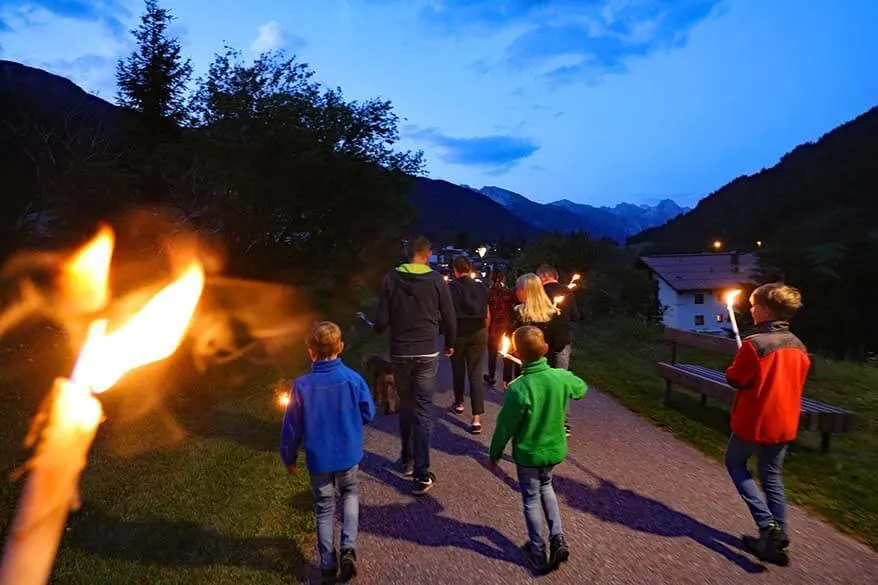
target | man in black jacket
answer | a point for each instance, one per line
(471, 307)
(416, 306)
(569, 312)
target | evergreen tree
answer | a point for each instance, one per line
(152, 79)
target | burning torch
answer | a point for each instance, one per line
(731, 296)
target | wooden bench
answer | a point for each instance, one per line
(816, 416)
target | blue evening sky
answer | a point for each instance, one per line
(597, 101)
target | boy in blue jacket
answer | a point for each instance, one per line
(327, 410)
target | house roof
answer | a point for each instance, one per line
(709, 271)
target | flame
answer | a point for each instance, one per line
(505, 345)
(283, 399)
(151, 335)
(574, 281)
(445, 278)
(558, 300)
(86, 277)
(731, 296)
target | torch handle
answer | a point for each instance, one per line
(365, 319)
(734, 321)
(51, 489)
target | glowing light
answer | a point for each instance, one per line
(505, 345)
(717, 245)
(558, 300)
(574, 281)
(151, 335)
(283, 400)
(481, 251)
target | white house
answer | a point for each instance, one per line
(691, 287)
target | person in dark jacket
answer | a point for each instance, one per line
(471, 307)
(569, 312)
(538, 310)
(416, 306)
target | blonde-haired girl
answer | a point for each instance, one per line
(536, 309)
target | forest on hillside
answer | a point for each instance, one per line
(813, 220)
(291, 180)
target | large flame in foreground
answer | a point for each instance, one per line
(151, 335)
(732, 296)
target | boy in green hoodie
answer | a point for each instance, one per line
(532, 416)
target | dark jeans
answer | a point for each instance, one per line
(467, 363)
(416, 383)
(561, 360)
(495, 340)
(769, 465)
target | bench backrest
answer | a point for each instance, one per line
(714, 343)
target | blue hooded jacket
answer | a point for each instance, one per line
(327, 410)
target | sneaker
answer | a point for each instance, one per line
(348, 564)
(771, 546)
(408, 468)
(567, 431)
(423, 485)
(328, 576)
(536, 562)
(558, 551)
(475, 428)
(457, 408)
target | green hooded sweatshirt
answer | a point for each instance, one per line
(533, 415)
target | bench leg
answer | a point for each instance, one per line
(668, 386)
(703, 399)
(824, 442)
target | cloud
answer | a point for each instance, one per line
(95, 73)
(272, 37)
(566, 40)
(495, 154)
(111, 13)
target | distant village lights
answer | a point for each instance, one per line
(717, 245)
(481, 251)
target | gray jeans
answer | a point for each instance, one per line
(561, 360)
(324, 485)
(540, 502)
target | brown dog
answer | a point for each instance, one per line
(380, 379)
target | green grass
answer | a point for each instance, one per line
(214, 506)
(618, 355)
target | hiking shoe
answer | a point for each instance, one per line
(457, 408)
(771, 546)
(328, 576)
(567, 431)
(536, 562)
(558, 551)
(348, 564)
(408, 468)
(423, 485)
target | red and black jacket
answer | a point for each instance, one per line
(769, 374)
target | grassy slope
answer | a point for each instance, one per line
(618, 355)
(216, 507)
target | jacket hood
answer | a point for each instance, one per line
(411, 276)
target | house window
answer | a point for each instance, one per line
(699, 298)
(699, 319)
(720, 318)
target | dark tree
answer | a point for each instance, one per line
(152, 79)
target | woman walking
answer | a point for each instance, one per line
(471, 307)
(536, 309)
(501, 302)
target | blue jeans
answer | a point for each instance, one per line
(773, 507)
(323, 486)
(539, 501)
(416, 379)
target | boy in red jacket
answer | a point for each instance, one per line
(768, 373)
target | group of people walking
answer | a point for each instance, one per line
(329, 406)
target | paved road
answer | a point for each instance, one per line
(639, 507)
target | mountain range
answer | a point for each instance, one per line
(444, 210)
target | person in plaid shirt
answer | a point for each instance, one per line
(501, 301)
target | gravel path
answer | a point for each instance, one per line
(639, 507)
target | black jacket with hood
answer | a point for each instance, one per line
(470, 305)
(416, 305)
